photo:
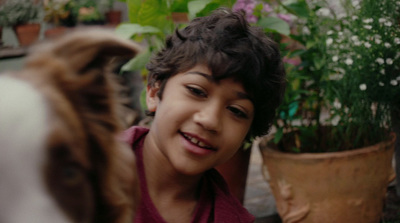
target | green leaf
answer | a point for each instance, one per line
(278, 135)
(299, 8)
(142, 99)
(138, 62)
(293, 108)
(197, 6)
(133, 10)
(128, 30)
(274, 24)
(179, 6)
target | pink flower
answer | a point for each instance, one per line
(251, 18)
(267, 8)
(284, 17)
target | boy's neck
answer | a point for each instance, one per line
(163, 181)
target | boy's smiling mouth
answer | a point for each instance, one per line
(198, 142)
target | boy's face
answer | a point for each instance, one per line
(199, 123)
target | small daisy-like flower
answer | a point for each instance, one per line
(382, 20)
(335, 58)
(330, 32)
(363, 87)
(354, 17)
(389, 61)
(380, 61)
(337, 104)
(367, 44)
(368, 20)
(354, 38)
(357, 43)
(398, 78)
(387, 45)
(368, 26)
(378, 41)
(381, 84)
(348, 61)
(388, 23)
(329, 41)
(397, 40)
(382, 71)
(393, 82)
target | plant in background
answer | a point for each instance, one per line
(18, 12)
(57, 12)
(89, 12)
(341, 94)
(365, 60)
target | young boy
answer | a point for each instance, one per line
(216, 84)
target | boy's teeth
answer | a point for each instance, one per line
(193, 140)
(196, 141)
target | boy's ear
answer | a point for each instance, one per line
(152, 98)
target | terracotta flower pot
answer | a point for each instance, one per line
(113, 17)
(347, 186)
(27, 33)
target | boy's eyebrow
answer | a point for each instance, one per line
(209, 77)
(241, 95)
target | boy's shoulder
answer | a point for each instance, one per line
(133, 134)
(227, 208)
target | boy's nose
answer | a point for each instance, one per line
(209, 117)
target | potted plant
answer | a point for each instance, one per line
(330, 159)
(59, 15)
(89, 13)
(23, 16)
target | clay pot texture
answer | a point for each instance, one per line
(348, 186)
(27, 33)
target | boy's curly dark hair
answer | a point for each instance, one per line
(231, 48)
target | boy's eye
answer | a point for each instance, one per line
(196, 91)
(237, 112)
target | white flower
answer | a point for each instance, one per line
(393, 82)
(323, 12)
(355, 3)
(382, 20)
(367, 45)
(380, 61)
(348, 61)
(398, 78)
(357, 43)
(354, 17)
(363, 87)
(329, 41)
(337, 104)
(378, 41)
(306, 31)
(388, 45)
(389, 61)
(354, 38)
(381, 84)
(368, 26)
(382, 71)
(330, 32)
(377, 36)
(388, 23)
(397, 40)
(335, 58)
(368, 20)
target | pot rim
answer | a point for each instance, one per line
(267, 150)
